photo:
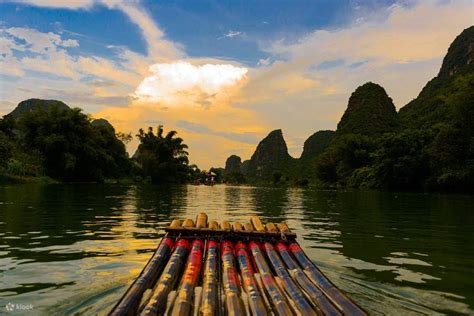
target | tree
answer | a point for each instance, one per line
(5, 149)
(401, 160)
(72, 148)
(163, 158)
(346, 154)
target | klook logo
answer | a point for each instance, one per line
(10, 307)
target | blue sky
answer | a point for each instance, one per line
(222, 73)
(232, 30)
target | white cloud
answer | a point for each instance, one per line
(407, 35)
(169, 81)
(69, 4)
(159, 48)
(232, 34)
(38, 42)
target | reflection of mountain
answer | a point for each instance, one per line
(402, 237)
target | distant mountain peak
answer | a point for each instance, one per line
(455, 77)
(271, 154)
(104, 123)
(316, 144)
(233, 164)
(369, 111)
(33, 104)
(460, 55)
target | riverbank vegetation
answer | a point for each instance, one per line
(42, 141)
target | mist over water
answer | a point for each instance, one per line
(75, 248)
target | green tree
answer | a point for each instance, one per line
(163, 158)
(277, 177)
(5, 149)
(72, 149)
(346, 154)
(401, 160)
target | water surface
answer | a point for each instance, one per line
(73, 249)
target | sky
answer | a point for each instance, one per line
(222, 73)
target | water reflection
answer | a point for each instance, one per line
(74, 248)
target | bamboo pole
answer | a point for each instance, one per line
(257, 223)
(332, 292)
(248, 227)
(225, 225)
(283, 227)
(313, 292)
(183, 304)
(209, 284)
(230, 281)
(175, 223)
(130, 301)
(213, 225)
(280, 305)
(158, 299)
(254, 299)
(271, 227)
(296, 296)
(201, 220)
(237, 226)
(188, 223)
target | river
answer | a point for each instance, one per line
(67, 249)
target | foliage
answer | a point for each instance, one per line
(72, 149)
(163, 158)
(401, 160)
(123, 137)
(5, 149)
(277, 177)
(346, 154)
(270, 156)
(370, 111)
(317, 144)
(233, 164)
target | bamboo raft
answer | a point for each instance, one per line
(206, 268)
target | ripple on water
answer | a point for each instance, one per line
(408, 255)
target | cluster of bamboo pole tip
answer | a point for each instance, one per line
(232, 276)
(255, 224)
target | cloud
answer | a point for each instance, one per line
(38, 42)
(172, 82)
(231, 34)
(159, 48)
(245, 137)
(68, 4)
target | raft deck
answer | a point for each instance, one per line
(208, 268)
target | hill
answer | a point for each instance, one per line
(316, 144)
(34, 104)
(369, 111)
(436, 102)
(270, 156)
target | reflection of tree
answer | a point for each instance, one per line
(387, 230)
(42, 216)
(270, 202)
(157, 205)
